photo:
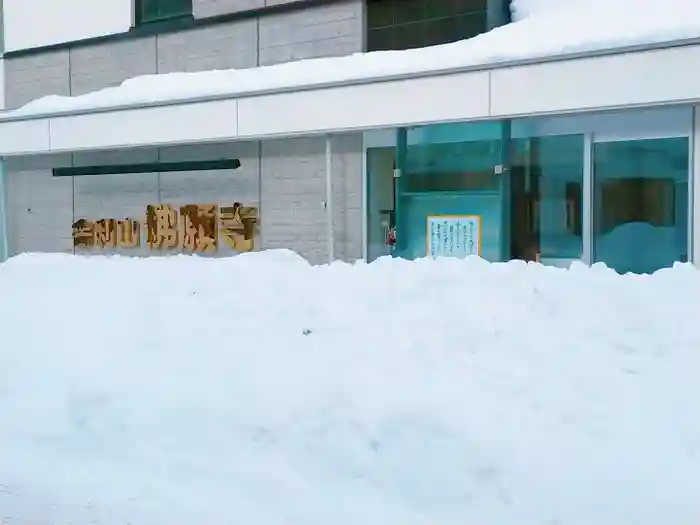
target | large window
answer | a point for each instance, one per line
(594, 188)
(406, 24)
(546, 198)
(640, 215)
(158, 10)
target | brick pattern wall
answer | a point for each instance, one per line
(312, 31)
(38, 205)
(292, 205)
(225, 46)
(330, 30)
(36, 76)
(284, 177)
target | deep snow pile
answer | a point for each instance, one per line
(262, 390)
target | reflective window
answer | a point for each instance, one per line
(641, 203)
(546, 198)
(637, 218)
(158, 10)
(407, 24)
(449, 170)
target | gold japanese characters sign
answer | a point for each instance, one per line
(192, 227)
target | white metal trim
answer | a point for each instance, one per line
(365, 203)
(373, 105)
(4, 244)
(694, 192)
(587, 255)
(330, 238)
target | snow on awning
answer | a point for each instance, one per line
(567, 60)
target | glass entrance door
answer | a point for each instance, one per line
(640, 203)
(449, 194)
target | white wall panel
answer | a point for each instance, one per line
(160, 125)
(423, 100)
(648, 78)
(643, 78)
(35, 23)
(29, 136)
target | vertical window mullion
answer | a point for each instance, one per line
(588, 200)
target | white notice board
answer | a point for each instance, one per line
(453, 235)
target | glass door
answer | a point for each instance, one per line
(450, 199)
(640, 203)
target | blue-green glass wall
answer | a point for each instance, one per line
(547, 197)
(640, 219)
(527, 190)
(448, 169)
(609, 187)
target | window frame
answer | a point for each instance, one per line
(419, 27)
(140, 20)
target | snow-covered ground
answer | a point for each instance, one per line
(261, 390)
(541, 28)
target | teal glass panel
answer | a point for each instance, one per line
(407, 24)
(380, 200)
(449, 169)
(640, 217)
(546, 190)
(485, 204)
(155, 10)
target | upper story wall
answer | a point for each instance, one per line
(32, 24)
(37, 23)
(93, 44)
(312, 30)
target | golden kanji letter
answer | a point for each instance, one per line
(106, 233)
(129, 233)
(83, 234)
(199, 227)
(161, 223)
(238, 226)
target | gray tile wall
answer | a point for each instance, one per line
(104, 65)
(32, 77)
(38, 206)
(309, 32)
(335, 29)
(347, 196)
(293, 190)
(292, 193)
(285, 177)
(225, 46)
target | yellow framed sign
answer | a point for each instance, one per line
(453, 235)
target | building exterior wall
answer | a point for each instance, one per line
(36, 23)
(292, 208)
(285, 178)
(313, 31)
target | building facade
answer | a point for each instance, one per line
(505, 162)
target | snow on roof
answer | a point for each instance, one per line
(542, 28)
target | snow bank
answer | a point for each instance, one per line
(575, 26)
(521, 9)
(262, 390)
